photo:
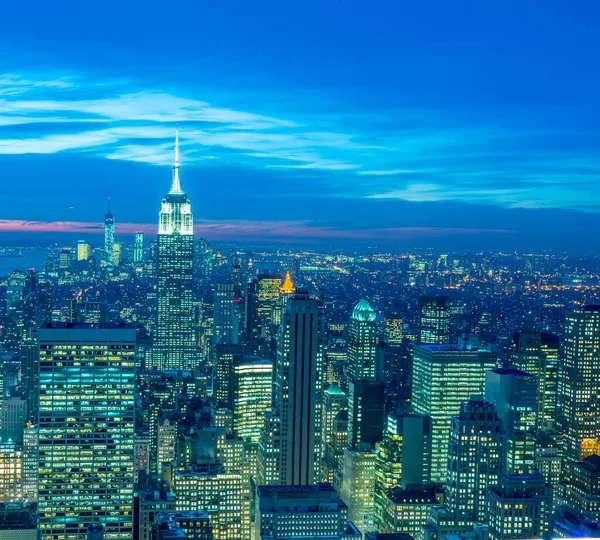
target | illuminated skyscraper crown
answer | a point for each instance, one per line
(175, 215)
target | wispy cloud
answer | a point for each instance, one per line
(435, 159)
(247, 229)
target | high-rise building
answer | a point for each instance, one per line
(434, 320)
(226, 318)
(226, 354)
(109, 237)
(252, 396)
(579, 393)
(84, 250)
(11, 472)
(173, 344)
(334, 403)
(365, 412)
(362, 342)
(304, 512)
(297, 388)
(138, 247)
(268, 469)
(443, 377)
(475, 460)
(514, 394)
(86, 429)
(402, 458)
(262, 306)
(520, 507)
(30, 375)
(358, 485)
(537, 353)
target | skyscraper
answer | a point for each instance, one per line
(262, 304)
(402, 458)
(86, 429)
(579, 394)
(109, 237)
(226, 317)
(434, 319)
(365, 412)
(138, 247)
(443, 377)
(252, 389)
(298, 388)
(537, 353)
(514, 393)
(362, 342)
(173, 346)
(475, 460)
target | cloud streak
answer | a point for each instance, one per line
(435, 159)
(252, 230)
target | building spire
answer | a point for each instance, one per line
(176, 184)
(287, 287)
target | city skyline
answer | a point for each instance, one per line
(397, 124)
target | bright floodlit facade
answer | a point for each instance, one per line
(86, 430)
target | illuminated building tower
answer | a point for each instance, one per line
(86, 429)
(226, 318)
(443, 377)
(434, 319)
(252, 397)
(117, 254)
(579, 393)
(334, 402)
(297, 388)
(138, 247)
(520, 507)
(537, 353)
(358, 485)
(226, 354)
(109, 237)
(402, 458)
(262, 304)
(173, 343)
(302, 512)
(286, 290)
(514, 393)
(84, 250)
(475, 460)
(362, 342)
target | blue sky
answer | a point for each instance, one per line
(451, 124)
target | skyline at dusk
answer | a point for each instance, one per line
(457, 126)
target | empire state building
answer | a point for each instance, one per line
(173, 345)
